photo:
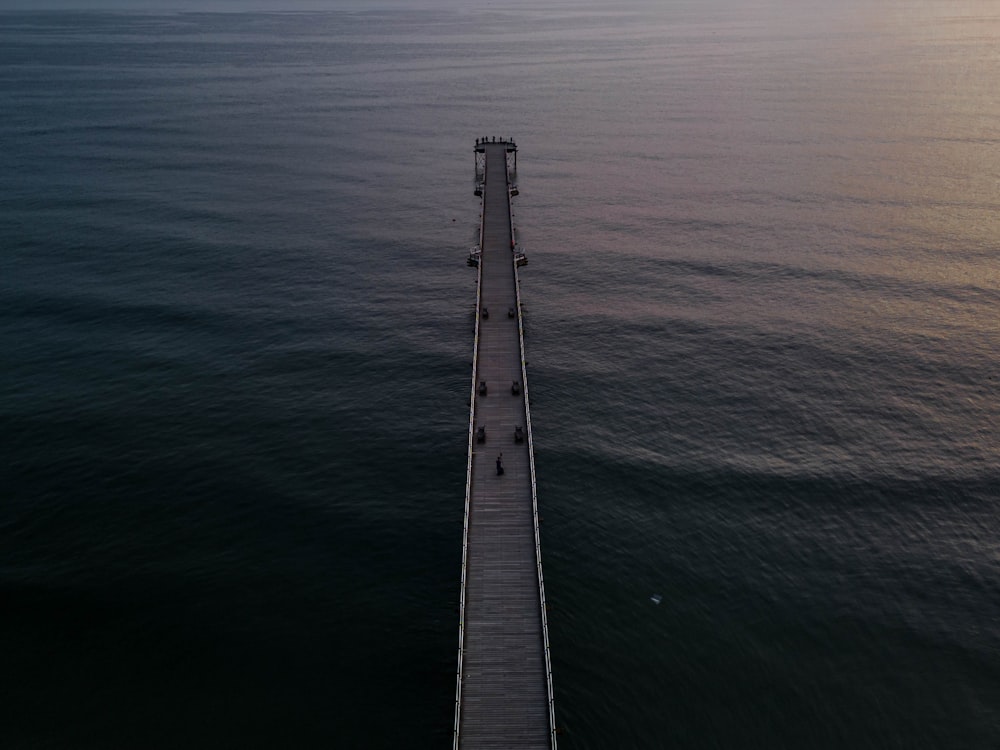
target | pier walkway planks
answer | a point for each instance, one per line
(504, 693)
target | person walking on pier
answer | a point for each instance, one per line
(500, 464)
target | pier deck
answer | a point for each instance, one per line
(504, 694)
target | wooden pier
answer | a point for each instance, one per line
(504, 694)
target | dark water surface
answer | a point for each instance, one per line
(762, 341)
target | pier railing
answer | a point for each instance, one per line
(468, 482)
(534, 494)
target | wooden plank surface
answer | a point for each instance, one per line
(504, 683)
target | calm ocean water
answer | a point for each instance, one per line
(762, 342)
